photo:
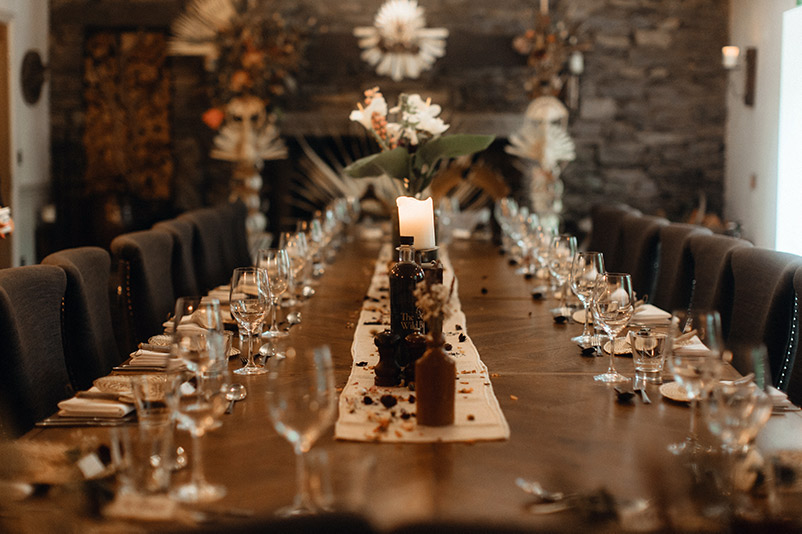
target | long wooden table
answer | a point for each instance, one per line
(567, 431)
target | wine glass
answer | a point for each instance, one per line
(695, 360)
(612, 307)
(198, 409)
(195, 319)
(302, 404)
(561, 253)
(277, 264)
(249, 301)
(295, 245)
(585, 268)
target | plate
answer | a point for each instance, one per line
(674, 391)
(161, 340)
(579, 316)
(121, 385)
(621, 346)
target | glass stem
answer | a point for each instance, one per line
(611, 369)
(250, 350)
(302, 497)
(198, 478)
(562, 296)
(692, 430)
(273, 321)
(586, 328)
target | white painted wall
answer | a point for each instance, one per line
(752, 133)
(30, 125)
(789, 166)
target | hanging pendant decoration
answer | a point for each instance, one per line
(399, 44)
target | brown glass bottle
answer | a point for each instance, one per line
(404, 276)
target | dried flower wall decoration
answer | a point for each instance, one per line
(399, 44)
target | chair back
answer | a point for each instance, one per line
(144, 261)
(185, 277)
(640, 250)
(33, 373)
(793, 384)
(712, 274)
(763, 306)
(209, 249)
(236, 215)
(606, 232)
(90, 348)
(674, 283)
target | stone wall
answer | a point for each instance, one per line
(649, 130)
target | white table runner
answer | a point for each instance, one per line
(386, 414)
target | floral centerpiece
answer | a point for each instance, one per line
(411, 141)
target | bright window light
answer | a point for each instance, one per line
(789, 179)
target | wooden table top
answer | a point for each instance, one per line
(567, 431)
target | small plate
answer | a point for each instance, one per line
(621, 347)
(121, 385)
(161, 340)
(674, 391)
(579, 316)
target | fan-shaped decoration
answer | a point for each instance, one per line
(399, 44)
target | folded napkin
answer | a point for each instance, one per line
(149, 358)
(692, 345)
(779, 399)
(76, 407)
(219, 293)
(649, 313)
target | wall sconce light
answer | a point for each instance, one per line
(730, 56)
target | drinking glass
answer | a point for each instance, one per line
(612, 307)
(302, 404)
(295, 245)
(561, 253)
(195, 319)
(249, 301)
(585, 268)
(695, 360)
(199, 408)
(277, 264)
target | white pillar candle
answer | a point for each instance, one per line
(416, 219)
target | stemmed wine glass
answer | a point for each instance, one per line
(277, 264)
(199, 409)
(295, 245)
(561, 253)
(695, 359)
(195, 322)
(302, 404)
(585, 268)
(736, 410)
(249, 301)
(612, 307)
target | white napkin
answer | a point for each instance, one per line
(76, 407)
(649, 313)
(691, 346)
(219, 293)
(149, 358)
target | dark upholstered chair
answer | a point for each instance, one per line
(209, 247)
(185, 278)
(794, 383)
(144, 269)
(712, 274)
(33, 374)
(606, 232)
(672, 290)
(763, 306)
(640, 248)
(90, 347)
(236, 214)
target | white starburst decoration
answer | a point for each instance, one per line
(399, 44)
(196, 30)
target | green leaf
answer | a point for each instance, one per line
(451, 146)
(394, 163)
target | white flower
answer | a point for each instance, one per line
(364, 115)
(399, 44)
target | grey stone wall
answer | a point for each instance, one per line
(649, 131)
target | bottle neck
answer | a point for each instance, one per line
(406, 254)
